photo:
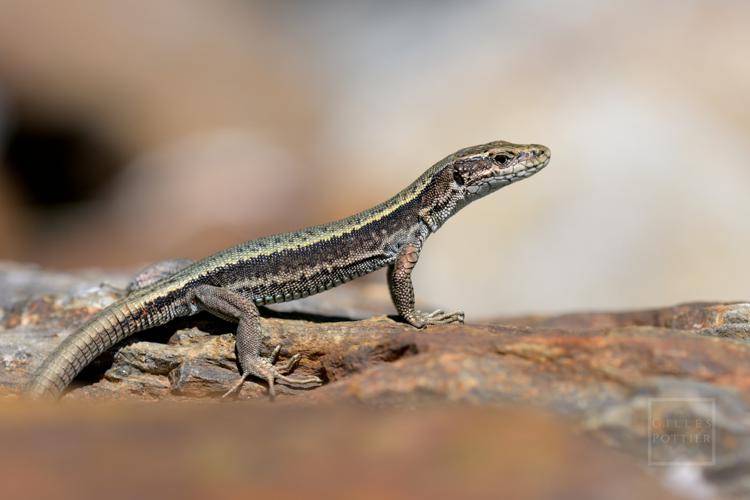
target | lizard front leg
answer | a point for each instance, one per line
(226, 303)
(402, 291)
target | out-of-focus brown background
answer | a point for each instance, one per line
(137, 131)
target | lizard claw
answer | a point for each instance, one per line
(438, 317)
(236, 386)
(264, 368)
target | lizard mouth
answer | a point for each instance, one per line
(529, 163)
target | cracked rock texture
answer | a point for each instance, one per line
(668, 386)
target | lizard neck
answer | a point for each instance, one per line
(440, 197)
(418, 210)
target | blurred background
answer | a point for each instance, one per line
(137, 131)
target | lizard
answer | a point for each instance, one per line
(232, 283)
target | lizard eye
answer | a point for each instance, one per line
(502, 159)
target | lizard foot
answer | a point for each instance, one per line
(438, 317)
(264, 368)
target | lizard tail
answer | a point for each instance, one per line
(94, 337)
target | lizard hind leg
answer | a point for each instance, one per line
(223, 303)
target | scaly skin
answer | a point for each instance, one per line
(232, 283)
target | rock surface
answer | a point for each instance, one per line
(668, 387)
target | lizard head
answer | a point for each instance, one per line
(480, 170)
(472, 173)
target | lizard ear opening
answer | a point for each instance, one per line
(458, 177)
